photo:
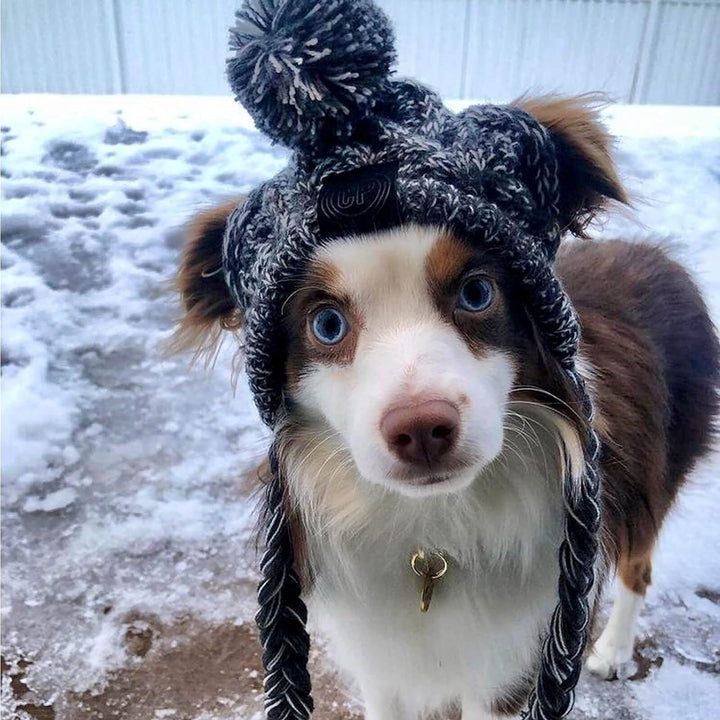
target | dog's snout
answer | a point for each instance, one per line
(421, 434)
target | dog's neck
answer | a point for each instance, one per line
(503, 521)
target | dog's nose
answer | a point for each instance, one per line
(421, 434)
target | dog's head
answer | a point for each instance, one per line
(409, 352)
(407, 344)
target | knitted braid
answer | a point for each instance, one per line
(282, 614)
(562, 653)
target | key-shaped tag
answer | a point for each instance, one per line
(427, 592)
(430, 567)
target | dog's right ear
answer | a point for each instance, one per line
(209, 308)
(587, 175)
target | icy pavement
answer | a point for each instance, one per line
(128, 564)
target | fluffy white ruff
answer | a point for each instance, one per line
(481, 636)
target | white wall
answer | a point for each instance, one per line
(647, 51)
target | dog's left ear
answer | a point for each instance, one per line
(587, 175)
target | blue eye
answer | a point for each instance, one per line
(476, 294)
(329, 326)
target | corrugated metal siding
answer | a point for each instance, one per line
(636, 50)
(59, 46)
(175, 46)
(556, 46)
(686, 55)
(430, 41)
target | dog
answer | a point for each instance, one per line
(428, 433)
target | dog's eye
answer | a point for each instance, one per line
(329, 326)
(476, 294)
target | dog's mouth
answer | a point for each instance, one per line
(433, 480)
(458, 472)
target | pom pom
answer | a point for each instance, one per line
(309, 70)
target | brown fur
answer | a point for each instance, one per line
(489, 328)
(446, 262)
(654, 357)
(655, 369)
(505, 324)
(635, 571)
(446, 266)
(320, 287)
(209, 309)
(587, 174)
(513, 700)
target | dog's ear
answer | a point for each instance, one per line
(208, 305)
(587, 175)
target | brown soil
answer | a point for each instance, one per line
(187, 671)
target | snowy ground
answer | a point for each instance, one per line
(128, 569)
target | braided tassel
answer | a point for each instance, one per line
(282, 615)
(562, 655)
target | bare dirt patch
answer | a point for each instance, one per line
(185, 671)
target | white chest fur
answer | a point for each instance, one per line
(480, 634)
(483, 630)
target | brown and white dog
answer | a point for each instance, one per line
(425, 414)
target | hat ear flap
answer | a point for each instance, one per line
(208, 305)
(587, 175)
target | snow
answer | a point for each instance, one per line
(128, 510)
(677, 687)
(57, 500)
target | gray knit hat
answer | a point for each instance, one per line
(372, 152)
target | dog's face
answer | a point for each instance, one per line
(408, 351)
(407, 344)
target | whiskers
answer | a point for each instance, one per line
(526, 428)
(550, 396)
(321, 479)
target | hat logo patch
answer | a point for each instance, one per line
(355, 200)
(358, 201)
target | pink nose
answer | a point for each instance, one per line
(421, 434)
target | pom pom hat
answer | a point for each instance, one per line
(315, 76)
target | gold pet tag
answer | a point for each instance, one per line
(430, 567)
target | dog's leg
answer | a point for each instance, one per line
(615, 645)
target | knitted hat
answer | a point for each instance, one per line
(372, 152)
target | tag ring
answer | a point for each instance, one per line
(419, 556)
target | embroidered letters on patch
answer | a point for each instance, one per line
(359, 201)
